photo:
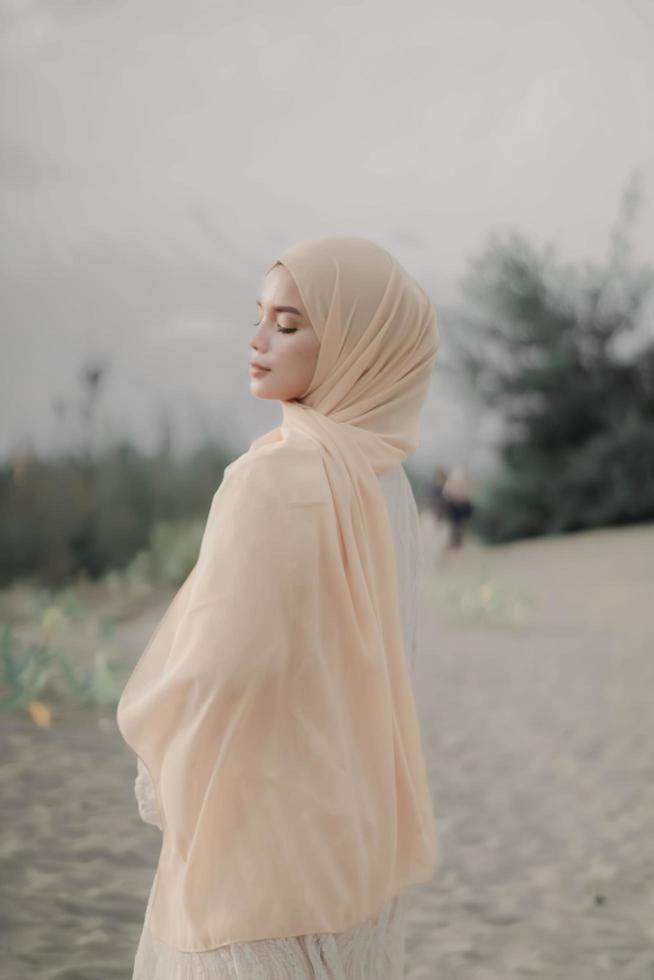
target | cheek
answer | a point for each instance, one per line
(309, 361)
(302, 357)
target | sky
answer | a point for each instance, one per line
(156, 155)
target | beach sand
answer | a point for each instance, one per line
(536, 683)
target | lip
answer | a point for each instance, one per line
(256, 369)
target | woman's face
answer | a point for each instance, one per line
(284, 342)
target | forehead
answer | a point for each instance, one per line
(279, 288)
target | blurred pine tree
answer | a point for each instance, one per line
(565, 355)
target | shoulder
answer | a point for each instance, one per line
(290, 471)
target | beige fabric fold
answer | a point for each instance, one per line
(273, 705)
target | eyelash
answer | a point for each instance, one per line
(281, 329)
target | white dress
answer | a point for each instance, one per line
(372, 951)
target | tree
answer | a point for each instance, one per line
(547, 346)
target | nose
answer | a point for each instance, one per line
(258, 341)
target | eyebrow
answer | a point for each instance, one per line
(283, 309)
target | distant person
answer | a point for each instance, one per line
(457, 504)
(435, 499)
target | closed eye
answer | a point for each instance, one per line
(281, 329)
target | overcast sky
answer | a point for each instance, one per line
(155, 156)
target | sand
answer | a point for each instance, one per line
(536, 685)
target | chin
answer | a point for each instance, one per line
(259, 389)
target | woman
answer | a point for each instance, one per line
(272, 710)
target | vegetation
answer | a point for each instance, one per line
(92, 509)
(565, 355)
(58, 646)
(88, 540)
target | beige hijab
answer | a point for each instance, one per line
(273, 705)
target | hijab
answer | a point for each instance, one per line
(273, 705)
